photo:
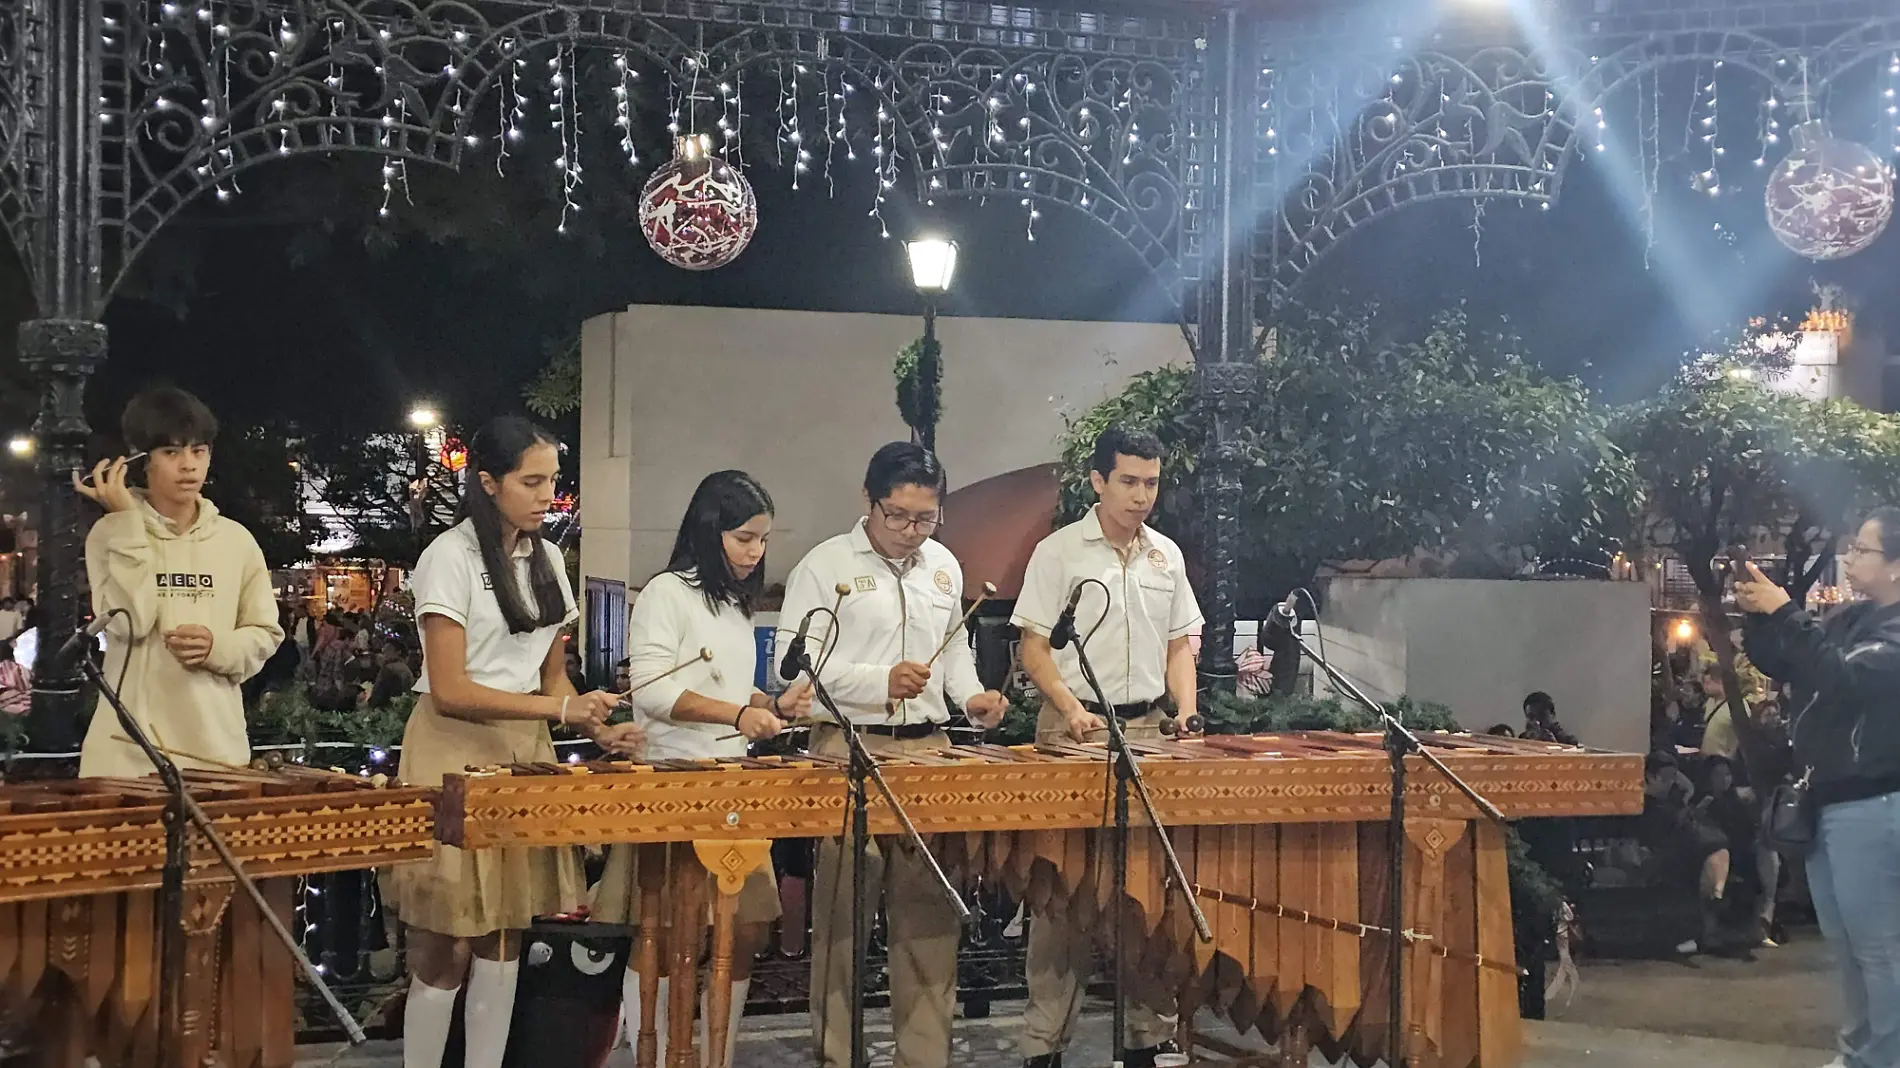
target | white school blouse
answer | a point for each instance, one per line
(451, 581)
(669, 624)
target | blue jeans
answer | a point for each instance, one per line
(1854, 874)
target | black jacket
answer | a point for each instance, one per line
(1845, 672)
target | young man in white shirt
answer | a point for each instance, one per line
(906, 593)
(1138, 639)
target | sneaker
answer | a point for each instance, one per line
(1837, 1062)
(1145, 1058)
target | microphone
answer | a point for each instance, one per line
(793, 663)
(82, 640)
(1064, 631)
(1285, 616)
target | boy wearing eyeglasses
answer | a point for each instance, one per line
(905, 594)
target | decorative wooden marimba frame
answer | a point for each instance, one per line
(1284, 838)
(80, 866)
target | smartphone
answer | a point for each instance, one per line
(1732, 565)
(129, 461)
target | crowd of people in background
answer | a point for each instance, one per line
(19, 633)
(345, 659)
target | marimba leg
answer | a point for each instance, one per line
(652, 876)
(730, 864)
(683, 940)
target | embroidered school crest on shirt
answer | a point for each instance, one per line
(942, 579)
(866, 583)
(1158, 558)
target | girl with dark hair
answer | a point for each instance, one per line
(704, 600)
(1845, 674)
(491, 598)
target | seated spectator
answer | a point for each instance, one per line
(394, 676)
(16, 683)
(623, 680)
(1684, 842)
(331, 689)
(1540, 721)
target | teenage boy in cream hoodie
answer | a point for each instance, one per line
(194, 611)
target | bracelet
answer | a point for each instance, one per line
(737, 718)
(564, 701)
(775, 710)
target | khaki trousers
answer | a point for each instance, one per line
(922, 931)
(1061, 954)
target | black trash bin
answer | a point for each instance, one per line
(567, 1003)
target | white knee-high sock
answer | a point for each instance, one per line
(630, 1014)
(489, 1011)
(740, 988)
(425, 1024)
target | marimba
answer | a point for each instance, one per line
(1283, 838)
(80, 866)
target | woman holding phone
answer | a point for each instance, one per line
(492, 598)
(1845, 728)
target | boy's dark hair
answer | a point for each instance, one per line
(903, 463)
(1121, 441)
(1539, 701)
(166, 416)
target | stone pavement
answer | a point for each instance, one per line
(783, 1042)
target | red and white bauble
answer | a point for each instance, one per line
(1829, 198)
(698, 211)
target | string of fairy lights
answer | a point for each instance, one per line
(979, 129)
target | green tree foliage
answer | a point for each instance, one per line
(1726, 460)
(556, 391)
(255, 479)
(1362, 446)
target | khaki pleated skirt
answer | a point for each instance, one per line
(470, 893)
(617, 895)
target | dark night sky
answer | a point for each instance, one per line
(352, 338)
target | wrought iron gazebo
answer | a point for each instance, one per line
(1231, 146)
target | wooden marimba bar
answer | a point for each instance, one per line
(80, 866)
(1284, 838)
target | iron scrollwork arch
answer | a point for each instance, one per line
(194, 96)
(1499, 122)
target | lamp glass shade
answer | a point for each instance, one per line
(933, 262)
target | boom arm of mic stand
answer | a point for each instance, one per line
(174, 782)
(859, 753)
(1391, 723)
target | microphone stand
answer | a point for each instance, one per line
(1399, 743)
(1128, 776)
(181, 814)
(862, 769)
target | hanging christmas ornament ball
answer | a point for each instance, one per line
(698, 211)
(1829, 198)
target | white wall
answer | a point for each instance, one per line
(1479, 646)
(801, 400)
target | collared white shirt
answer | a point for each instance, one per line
(894, 612)
(451, 581)
(1149, 604)
(669, 624)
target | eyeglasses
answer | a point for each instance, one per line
(898, 522)
(1857, 549)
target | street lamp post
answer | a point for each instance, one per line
(426, 422)
(933, 263)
